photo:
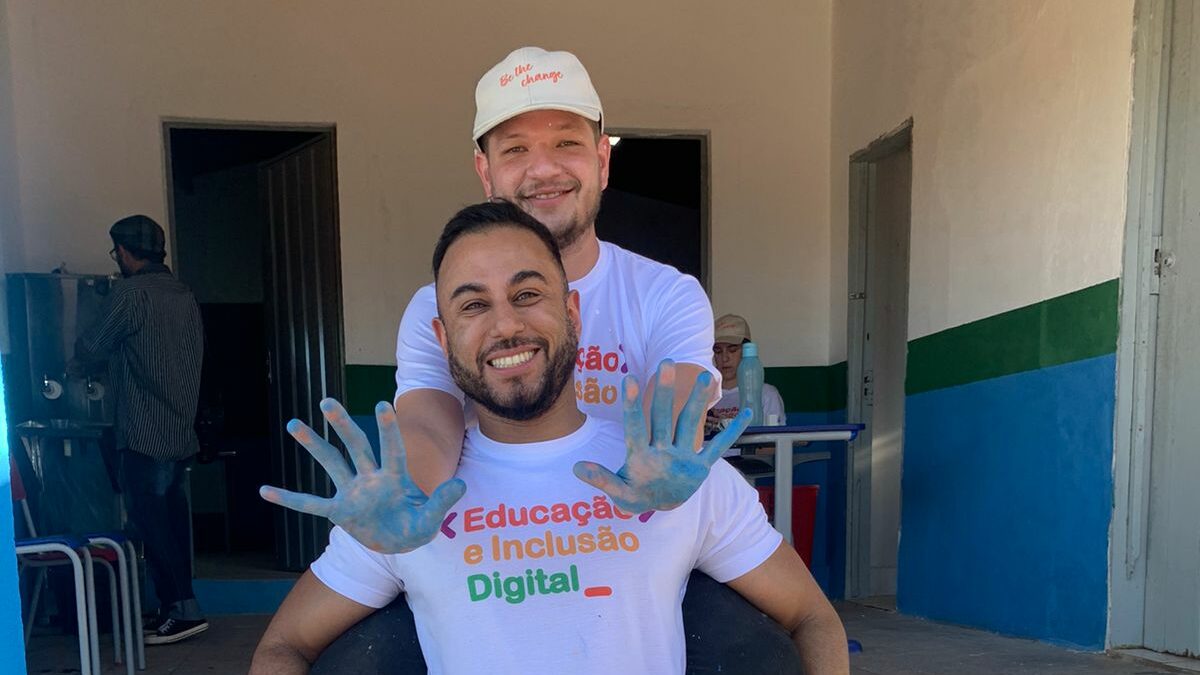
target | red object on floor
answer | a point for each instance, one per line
(804, 515)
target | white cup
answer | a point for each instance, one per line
(772, 420)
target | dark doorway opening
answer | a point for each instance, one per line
(656, 203)
(253, 214)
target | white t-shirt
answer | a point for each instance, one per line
(635, 313)
(731, 403)
(536, 572)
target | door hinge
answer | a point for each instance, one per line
(1156, 272)
(869, 388)
(858, 296)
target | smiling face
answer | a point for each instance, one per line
(551, 164)
(507, 322)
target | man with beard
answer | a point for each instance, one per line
(537, 572)
(152, 339)
(539, 144)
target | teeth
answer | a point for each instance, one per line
(548, 195)
(511, 361)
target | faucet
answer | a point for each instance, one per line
(51, 389)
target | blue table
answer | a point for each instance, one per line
(786, 439)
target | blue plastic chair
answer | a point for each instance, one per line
(106, 549)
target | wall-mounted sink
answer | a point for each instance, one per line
(63, 428)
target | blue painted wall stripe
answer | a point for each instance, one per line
(241, 596)
(1007, 497)
(12, 649)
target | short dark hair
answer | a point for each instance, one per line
(487, 216)
(141, 236)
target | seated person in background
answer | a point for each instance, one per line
(731, 332)
(547, 564)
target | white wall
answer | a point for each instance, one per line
(1020, 139)
(11, 248)
(92, 82)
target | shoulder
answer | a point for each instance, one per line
(424, 300)
(628, 261)
(648, 274)
(421, 308)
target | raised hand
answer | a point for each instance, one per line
(662, 470)
(381, 507)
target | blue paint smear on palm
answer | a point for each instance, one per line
(662, 469)
(379, 505)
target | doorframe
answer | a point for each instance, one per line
(701, 135)
(167, 125)
(859, 305)
(1138, 331)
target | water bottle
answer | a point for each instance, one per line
(750, 382)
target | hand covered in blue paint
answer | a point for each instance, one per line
(662, 470)
(380, 506)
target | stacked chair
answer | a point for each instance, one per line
(81, 551)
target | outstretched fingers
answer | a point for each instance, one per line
(320, 449)
(634, 417)
(688, 425)
(662, 408)
(393, 457)
(727, 437)
(444, 496)
(605, 481)
(350, 433)
(297, 501)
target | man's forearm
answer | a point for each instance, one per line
(431, 423)
(821, 641)
(278, 659)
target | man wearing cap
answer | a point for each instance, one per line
(539, 144)
(732, 331)
(152, 339)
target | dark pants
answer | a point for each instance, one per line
(158, 515)
(724, 634)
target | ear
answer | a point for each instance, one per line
(574, 313)
(481, 170)
(604, 151)
(439, 330)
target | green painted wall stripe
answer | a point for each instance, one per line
(810, 388)
(803, 388)
(1070, 327)
(1060, 330)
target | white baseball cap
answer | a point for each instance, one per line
(531, 78)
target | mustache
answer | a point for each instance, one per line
(555, 186)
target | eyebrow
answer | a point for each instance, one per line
(466, 288)
(525, 275)
(560, 126)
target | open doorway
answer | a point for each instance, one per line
(880, 197)
(254, 218)
(656, 203)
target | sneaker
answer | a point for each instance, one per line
(151, 624)
(174, 630)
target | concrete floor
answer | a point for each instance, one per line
(901, 645)
(892, 644)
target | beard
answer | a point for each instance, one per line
(569, 232)
(525, 402)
